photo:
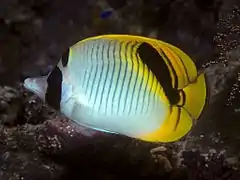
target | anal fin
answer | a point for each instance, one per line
(175, 127)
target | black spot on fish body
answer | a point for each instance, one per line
(65, 58)
(154, 61)
(54, 89)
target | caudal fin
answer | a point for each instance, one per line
(196, 97)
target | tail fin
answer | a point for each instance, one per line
(180, 119)
(196, 95)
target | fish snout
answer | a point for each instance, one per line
(36, 85)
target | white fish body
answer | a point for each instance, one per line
(131, 85)
(103, 95)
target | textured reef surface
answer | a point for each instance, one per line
(38, 143)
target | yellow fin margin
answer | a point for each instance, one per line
(196, 95)
(175, 127)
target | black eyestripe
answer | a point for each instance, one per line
(54, 89)
(65, 58)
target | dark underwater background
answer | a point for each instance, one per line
(37, 143)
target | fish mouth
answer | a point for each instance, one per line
(37, 86)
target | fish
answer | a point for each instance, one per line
(135, 86)
(106, 13)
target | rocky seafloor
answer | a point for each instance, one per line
(38, 143)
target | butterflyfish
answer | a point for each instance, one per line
(131, 85)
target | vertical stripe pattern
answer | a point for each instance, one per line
(126, 84)
(115, 80)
